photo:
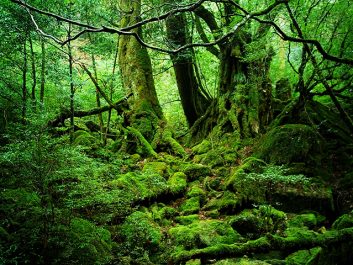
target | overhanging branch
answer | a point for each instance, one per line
(119, 106)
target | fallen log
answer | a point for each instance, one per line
(119, 106)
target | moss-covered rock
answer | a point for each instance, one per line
(161, 214)
(196, 190)
(140, 186)
(274, 185)
(196, 171)
(190, 206)
(187, 219)
(291, 143)
(154, 167)
(177, 183)
(304, 257)
(203, 233)
(344, 221)
(309, 220)
(202, 148)
(253, 223)
(227, 201)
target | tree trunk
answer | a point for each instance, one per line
(34, 75)
(245, 97)
(42, 78)
(194, 102)
(72, 88)
(112, 84)
(136, 72)
(24, 81)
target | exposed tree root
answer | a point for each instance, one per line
(265, 244)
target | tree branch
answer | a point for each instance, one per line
(119, 106)
(125, 30)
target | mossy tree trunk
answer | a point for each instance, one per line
(136, 72)
(245, 91)
(194, 99)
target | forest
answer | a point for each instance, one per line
(176, 132)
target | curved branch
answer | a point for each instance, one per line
(124, 31)
(119, 106)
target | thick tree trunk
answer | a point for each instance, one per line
(194, 102)
(136, 72)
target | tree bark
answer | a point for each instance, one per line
(34, 74)
(24, 80)
(136, 72)
(193, 101)
(119, 106)
(72, 88)
(42, 79)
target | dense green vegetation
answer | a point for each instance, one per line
(176, 132)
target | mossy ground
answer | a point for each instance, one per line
(203, 208)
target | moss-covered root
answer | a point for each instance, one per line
(294, 242)
(164, 138)
(143, 141)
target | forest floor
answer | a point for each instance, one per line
(262, 201)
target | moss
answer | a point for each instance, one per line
(213, 183)
(85, 138)
(177, 183)
(212, 158)
(193, 262)
(188, 219)
(190, 206)
(344, 221)
(273, 185)
(202, 148)
(196, 171)
(160, 168)
(135, 158)
(175, 146)
(241, 261)
(308, 219)
(227, 202)
(161, 214)
(253, 223)
(291, 143)
(196, 190)
(304, 257)
(203, 233)
(214, 214)
(146, 145)
(140, 186)
(251, 164)
(247, 224)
